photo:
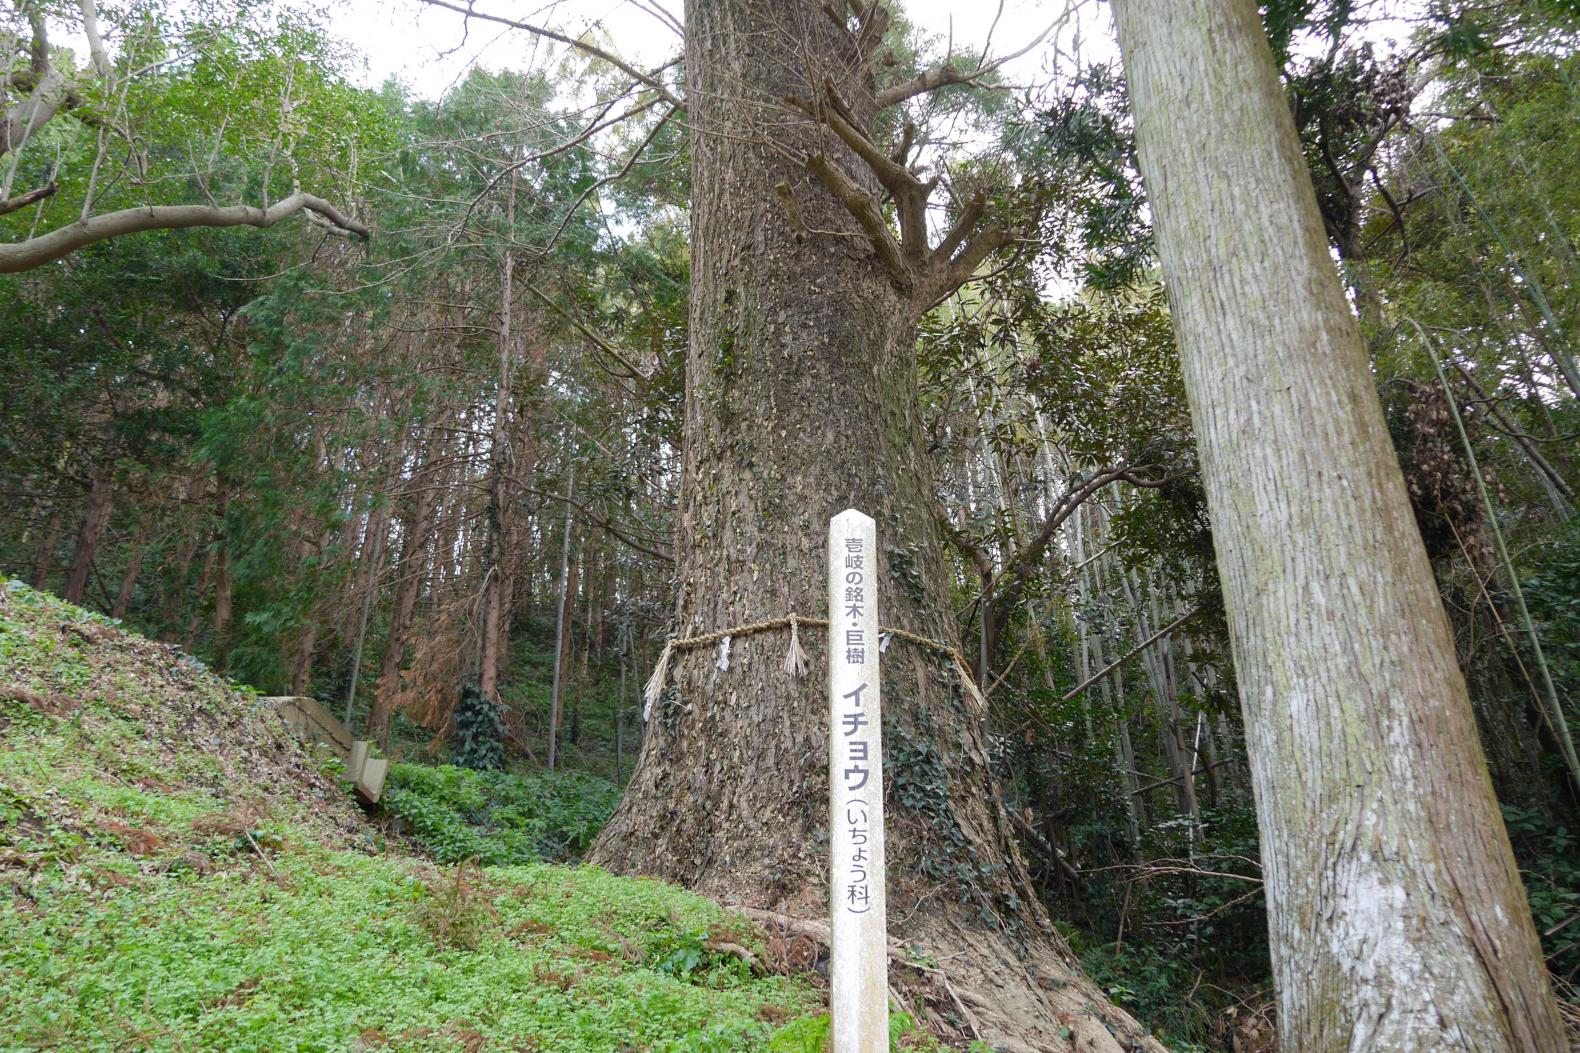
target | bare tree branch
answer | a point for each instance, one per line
(21, 201)
(90, 28)
(600, 122)
(46, 248)
(580, 45)
(1127, 656)
(947, 74)
(869, 214)
(1021, 568)
(598, 341)
(623, 171)
(625, 538)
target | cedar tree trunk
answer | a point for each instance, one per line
(1397, 917)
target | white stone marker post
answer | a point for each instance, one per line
(859, 970)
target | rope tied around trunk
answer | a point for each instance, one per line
(796, 662)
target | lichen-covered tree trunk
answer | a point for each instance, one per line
(802, 401)
(1397, 917)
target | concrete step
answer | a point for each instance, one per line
(315, 725)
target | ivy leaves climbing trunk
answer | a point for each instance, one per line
(1397, 917)
(801, 401)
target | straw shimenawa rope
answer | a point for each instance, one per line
(796, 661)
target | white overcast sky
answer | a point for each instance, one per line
(430, 48)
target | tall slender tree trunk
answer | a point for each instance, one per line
(174, 587)
(1172, 736)
(223, 606)
(1396, 913)
(377, 537)
(409, 575)
(801, 401)
(1111, 688)
(137, 551)
(313, 619)
(302, 661)
(200, 594)
(177, 573)
(448, 542)
(496, 566)
(48, 542)
(95, 516)
(562, 646)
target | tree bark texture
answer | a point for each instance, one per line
(801, 401)
(1397, 917)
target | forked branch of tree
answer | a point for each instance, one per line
(910, 193)
(949, 73)
(46, 248)
(1005, 589)
(929, 274)
(43, 89)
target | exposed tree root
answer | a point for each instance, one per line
(964, 988)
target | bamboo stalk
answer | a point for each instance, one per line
(1559, 724)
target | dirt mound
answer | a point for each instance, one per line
(176, 872)
(169, 710)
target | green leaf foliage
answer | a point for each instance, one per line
(496, 817)
(176, 875)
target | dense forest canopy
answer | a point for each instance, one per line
(531, 375)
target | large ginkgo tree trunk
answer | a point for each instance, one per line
(1397, 917)
(801, 401)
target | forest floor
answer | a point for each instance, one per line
(178, 873)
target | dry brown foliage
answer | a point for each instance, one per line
(53, 704)
(458, 911)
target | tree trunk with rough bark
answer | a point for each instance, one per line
(801, 401)
(1397, 917)
(224, 585)
(301, 673)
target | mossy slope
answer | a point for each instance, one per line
(177, 874)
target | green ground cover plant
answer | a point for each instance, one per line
(498, 817)
(176, 874)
